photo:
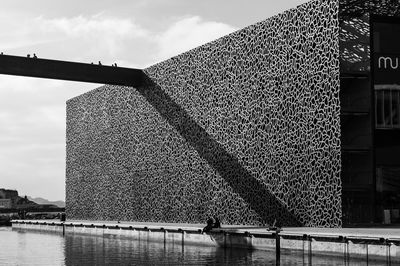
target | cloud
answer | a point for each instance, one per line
(22, 34)
(32, 133)
(96, 35)
(84, 38)
(91, 26)
(188, 33)
(32, 111)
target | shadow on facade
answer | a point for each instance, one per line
(253, 191)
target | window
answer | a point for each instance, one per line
(387, 107)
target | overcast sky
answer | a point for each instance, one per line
(131, 33)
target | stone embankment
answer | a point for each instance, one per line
(380, 244)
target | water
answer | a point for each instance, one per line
(19, 247)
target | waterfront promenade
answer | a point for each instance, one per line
(383, 232)
(388, 232)
(358, 243)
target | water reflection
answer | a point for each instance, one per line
(113, 251)
(27, 248)
(18, 247)
(84, 250)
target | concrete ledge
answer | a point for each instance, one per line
(381, 249)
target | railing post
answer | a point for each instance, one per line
(309, 250)
(345, 250)
(388, 255)
(305, 238)
(278, 247)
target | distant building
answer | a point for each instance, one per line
(8, 193)
(5, 203)
(13, 200)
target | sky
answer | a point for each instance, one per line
(131, 33)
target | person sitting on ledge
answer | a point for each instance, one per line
(274, 227)
(34, 56)
(209, 226)
(217, 223)
(212, 222)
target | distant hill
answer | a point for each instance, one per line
(58, 203)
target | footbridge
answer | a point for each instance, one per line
(73, 71)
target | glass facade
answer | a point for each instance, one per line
(356, 122)
(386, 86)
(370, 120)
(387, 106)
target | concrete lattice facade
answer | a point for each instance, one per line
(246, 128)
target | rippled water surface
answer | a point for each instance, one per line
(19, 247)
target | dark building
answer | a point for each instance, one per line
(8, 193)
(288, 119)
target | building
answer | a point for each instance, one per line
(5, 204)
(8, 198)
(288, 119)
(8, 193)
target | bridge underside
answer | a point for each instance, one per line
(54, 69)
